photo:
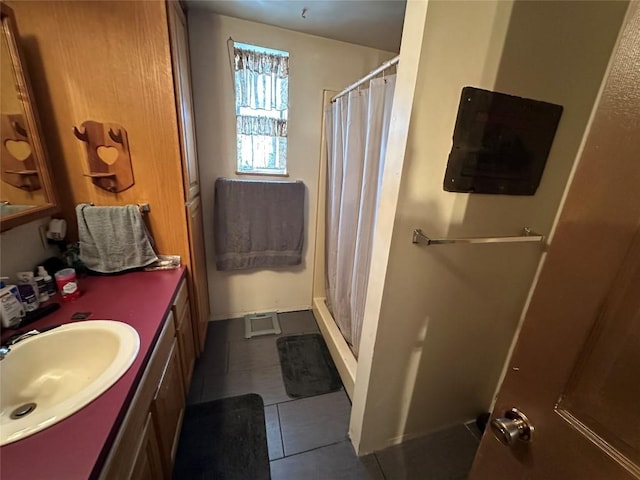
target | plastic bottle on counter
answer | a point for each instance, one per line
(28, 291)
(11, 308)
(43, 295)
(49, 282)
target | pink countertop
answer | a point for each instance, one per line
(76, 447)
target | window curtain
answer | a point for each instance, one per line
(262, 83)
(356, 129)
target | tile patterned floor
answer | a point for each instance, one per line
(307, 437)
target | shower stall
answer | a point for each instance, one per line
(355, 130)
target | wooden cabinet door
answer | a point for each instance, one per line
(167, 408)
(184, 334)
(122, 457)
(148, 464)
(184, 101)
(187, 345)
(200, 286)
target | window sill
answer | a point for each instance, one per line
(263, 174)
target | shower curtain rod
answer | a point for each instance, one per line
(369, 76)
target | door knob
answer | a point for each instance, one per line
(513, 426)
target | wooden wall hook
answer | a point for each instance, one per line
(108, 155)
(80, 135)
(19, 129)
(116, 137)
(19, 168)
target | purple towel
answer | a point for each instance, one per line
(258, 224)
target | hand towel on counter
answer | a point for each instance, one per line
(113, 239)
(258, 224)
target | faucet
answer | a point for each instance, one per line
(4, 349)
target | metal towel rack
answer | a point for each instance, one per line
(143, 207)
(528, 235)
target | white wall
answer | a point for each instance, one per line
(315, 64)
(22, 249)
(438, 330)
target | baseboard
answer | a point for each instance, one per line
(392, 442)
(225, 316)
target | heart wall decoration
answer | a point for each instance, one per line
(18, 165)
(19, 149)
(108, 156)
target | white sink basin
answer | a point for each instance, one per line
(61, 371)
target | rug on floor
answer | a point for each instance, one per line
(307, 367)
(224, 440)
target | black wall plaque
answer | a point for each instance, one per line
(500, 143)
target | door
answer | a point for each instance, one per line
(575, 370)
(184, 333)
(200, 285)
(184, 101)
(186, 342)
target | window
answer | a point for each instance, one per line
(262, 103)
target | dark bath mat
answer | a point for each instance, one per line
(224, 440)
(307, 367)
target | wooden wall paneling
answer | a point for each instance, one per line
(109, 61)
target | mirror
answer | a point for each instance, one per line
(26, 189)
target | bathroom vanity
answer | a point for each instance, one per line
(126, 64)
(131, 430)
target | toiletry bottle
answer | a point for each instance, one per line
(43, 295)
(11, 309)
(50, 283)
(28, 291)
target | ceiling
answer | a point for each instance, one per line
(372, 23)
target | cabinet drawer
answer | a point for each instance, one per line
(182, 300)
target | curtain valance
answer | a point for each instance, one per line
(272, 127)
(261, 62)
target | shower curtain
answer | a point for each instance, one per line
(356, 129)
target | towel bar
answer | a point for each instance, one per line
(143, 207)
(528, 235)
